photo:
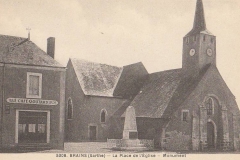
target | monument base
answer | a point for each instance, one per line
(131, 144)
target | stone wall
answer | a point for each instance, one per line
(118, 143)
(236, 130)
(176, 140)
(87, 112)
(196, 124)
(195, 132)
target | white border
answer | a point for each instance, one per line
(17, 122)
(40, 85)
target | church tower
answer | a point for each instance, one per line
(199, 45)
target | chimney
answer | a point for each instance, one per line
(51, 46)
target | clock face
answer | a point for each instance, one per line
(192, 52)
(209, 52)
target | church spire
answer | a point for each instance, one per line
(199, 46)
(199, 20)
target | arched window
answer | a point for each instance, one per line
(210, 106)
(187, 40)
(195, 38)
(69, 109)
(204, 37)
(103, 116)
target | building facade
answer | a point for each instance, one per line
(94, 94)
(32, 95)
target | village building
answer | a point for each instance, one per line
(190, 108)
(32, 95)
(94, 92)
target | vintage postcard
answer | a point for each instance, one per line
(119, 79)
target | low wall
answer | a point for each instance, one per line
(176, 141)
(118, 143)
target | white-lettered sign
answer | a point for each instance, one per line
(32, 101)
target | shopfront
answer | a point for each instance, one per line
(32, 126)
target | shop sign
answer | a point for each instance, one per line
(32, 101)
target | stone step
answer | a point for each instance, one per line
(33, 147)
(132, 149)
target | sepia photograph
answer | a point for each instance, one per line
(121, 79)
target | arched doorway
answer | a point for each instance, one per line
(213, 114)
(210, 135)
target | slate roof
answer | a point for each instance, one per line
(95, 78)
(18, 50)
(156, 93)
(163, 92)
(132, 79)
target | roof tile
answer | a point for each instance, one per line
(18, 50)
(95, 78)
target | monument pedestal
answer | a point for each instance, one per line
(131, 145)
(130, 141)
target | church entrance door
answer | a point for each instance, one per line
(210, 135)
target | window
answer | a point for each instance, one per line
(212, 40)
(209, 106)
(34, 85)
(69, 109)
(32, 128)
(41, 128)
(195, 38)
(21, 128)
(187, 39)
(103, 116)
(185, 115)
(204, 37)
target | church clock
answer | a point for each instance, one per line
(192, 52)
(199, 46)
(209, 52)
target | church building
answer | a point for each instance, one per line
(190, 108)
(32, 95)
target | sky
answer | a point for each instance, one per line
(121, 32)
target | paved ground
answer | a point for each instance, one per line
(101, 147)
(83, 147)
(87, 147)
(80, 147)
